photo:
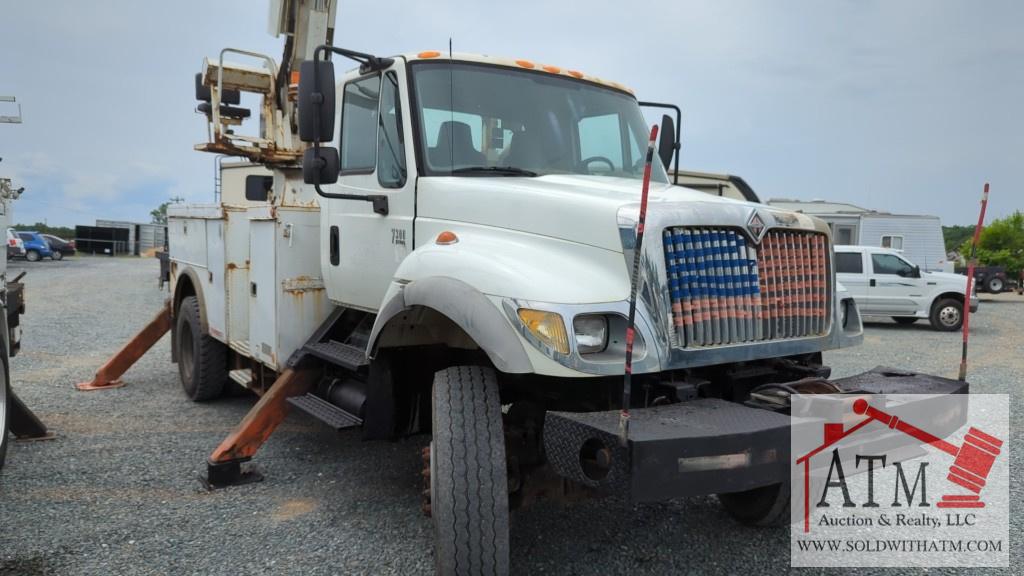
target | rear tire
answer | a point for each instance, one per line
(202, 360)
(32, 256)
(765, 506)
(994, 285)
(57, 255)
(469, 487)
(906, 320)
(947, 315)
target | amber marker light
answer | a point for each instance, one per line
(447, 237)
(428, 54)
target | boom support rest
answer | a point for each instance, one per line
(224, 465)
(108, 376)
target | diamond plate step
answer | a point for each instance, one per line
(243, 376)
(326, 412)
(338, 354)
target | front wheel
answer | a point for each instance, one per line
(995, 285)
(57, 255)
(32, 256)
(468, 483)
(765, 506)
(947, 315)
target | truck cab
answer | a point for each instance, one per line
(885, 283)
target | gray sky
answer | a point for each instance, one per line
(905, 106)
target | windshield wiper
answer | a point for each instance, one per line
(494, 171)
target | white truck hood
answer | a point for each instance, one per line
(572, 207)
(957, 281)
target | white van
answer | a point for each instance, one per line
(884, 283)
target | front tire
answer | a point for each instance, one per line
(57, 255)
(765, 506)
(5, 413)
(994, 285)
(202, 360)
(905, 320)
(469, 487)
(32, 256)
(947, 315)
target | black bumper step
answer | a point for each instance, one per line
(339, 354)
(703, 446)
(326, 412)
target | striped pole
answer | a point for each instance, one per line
(970, 282)
(634, 277)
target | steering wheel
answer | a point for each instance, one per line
(588, 161)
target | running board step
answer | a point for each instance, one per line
(339, 354)
(326, 412)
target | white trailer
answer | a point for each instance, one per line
(918, 236)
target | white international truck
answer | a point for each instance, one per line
(440, 244)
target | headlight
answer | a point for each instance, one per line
(591, 332)
(546, 327)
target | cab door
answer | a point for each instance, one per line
(894, 286)
(362, 248)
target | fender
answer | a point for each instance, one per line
(467, 308)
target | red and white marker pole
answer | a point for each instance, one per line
(970, 282)
(634, 281)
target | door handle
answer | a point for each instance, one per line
(871, 283)
(335, 245)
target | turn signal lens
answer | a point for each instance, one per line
(446, 237)
(546, 327)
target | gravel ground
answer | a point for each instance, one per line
(118, 492)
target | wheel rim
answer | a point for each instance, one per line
(995, 285)
(32, 257)
(949, 315)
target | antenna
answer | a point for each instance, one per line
(451, 109)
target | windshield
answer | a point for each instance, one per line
(482, 120)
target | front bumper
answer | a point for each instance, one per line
(704, 446)
(974, 305)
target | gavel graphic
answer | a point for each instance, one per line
(972, 461)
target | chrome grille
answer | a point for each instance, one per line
(727, 290)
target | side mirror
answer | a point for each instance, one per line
(320, 165)
(257, 188)
(316, 107)
(917, 272)
(667, 141)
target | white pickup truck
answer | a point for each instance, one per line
(884, 283)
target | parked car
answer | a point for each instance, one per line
(36, 247)
(60, 246)
(15, 245)
(884, 283)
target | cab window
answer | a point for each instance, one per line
(390, 138)
(849, 263)
(890, 264)
(359, 125)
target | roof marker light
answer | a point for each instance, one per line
(428, 54)
(575, 74)
(526, 64)
(552, 69)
